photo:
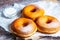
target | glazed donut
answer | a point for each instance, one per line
(48, 24)
(32, 12)
(23, 27)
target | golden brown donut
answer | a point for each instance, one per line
(23, 27)
(48, 24)
(32, 12)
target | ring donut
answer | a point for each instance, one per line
(23, 27)
(32, 12)
(48, 24)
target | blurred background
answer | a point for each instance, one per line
(5, 2)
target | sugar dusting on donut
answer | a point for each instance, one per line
(27, 28)
(53, 24)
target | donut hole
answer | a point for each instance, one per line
(49, 21)
(33, 10)
(25, 24)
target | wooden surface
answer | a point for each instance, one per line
(4, 2)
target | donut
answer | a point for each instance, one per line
(48, 24)
(32, 12)
(23, 27)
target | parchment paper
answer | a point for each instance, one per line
(50, 8)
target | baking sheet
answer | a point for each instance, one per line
(49, 7)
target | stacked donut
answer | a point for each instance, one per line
(33, 19)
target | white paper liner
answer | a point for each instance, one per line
(50, 8)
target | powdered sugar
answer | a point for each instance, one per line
(53, 24)
(9, 12)
(27, 28)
